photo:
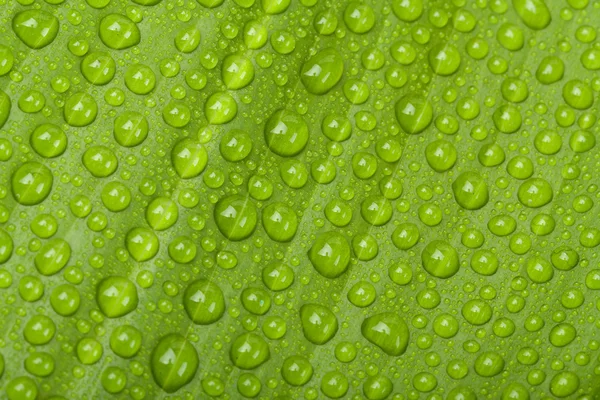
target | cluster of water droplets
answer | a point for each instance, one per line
(299, 199)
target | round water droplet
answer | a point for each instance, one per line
(31, 183)
(237, 71)
(98, 68)
(330, 254)
(578, 94)
(319, 324)
(444, 59)
(65, 300)
(6, 246)
(564, 384)
(235, 145)
(35, 28)
(277, 276)
(39, 330)
(100, 161)
(296, 370)
(249, 351)
(174, 362)
(140, 79)
(376, 210)
(535, 192)
(470, 191)
(440, 259)
(220, 108)
(280, 222)
(388, 331)
(7, 60)
(40, 364)
(489, 364)
(130, 129)
(5, 105)
(116, 296)
(414, 113)
(204, 302)
(162, 213)
(22, 388)
(550, 70)
(236, 217)
(286, 133)
(189, 158)
(534, 13)
(118, 32)
(142, 244)
(80, 110)
(359, 18)
(48, 140)
(187, 39)
(323, 71)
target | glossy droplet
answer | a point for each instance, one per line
(53, 257)
(100, 161)
(7, 60)
(564, 384)
(334, 385)
(237, 71)
(578, 94)
(174, 362)
(440, 259)
(534, 13)
(118, 32)
(407, 10)
(388, 331)
(286, 133)
(414, 113)
(142, 244)
(280, 222)
(36, 28)
(31, 183)
(489, 364)
(210, 3)
(441, 155)
(249, 351)
(65, 300)
(330, 254)
(535, 192)
(22, 388)
(236, 217)
(116, 296)
(189, 158)
(187, 39)
(204, 302)
(98, 68)
(323, 71)
(40, 364)
(319, 324)
(220, 108)
(6, 246)
(277, 276)
(162, 213)
(39, 330)
(5, 105)
(48, 140)
(140, 79)
(444, 59)
(130, 129)
(359, 18)
(296, 370)
(80, 110)
(470, 191)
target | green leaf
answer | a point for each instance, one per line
(299, 199)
